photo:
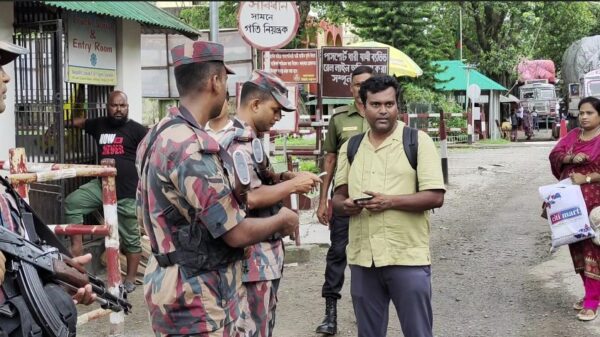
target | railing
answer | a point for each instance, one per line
(23, 173)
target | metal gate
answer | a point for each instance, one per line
(44, 104)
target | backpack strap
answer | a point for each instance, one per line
(353, 144)
(410, 140)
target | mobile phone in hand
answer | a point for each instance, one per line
(365, 198)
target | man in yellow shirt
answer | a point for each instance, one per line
(388, 249)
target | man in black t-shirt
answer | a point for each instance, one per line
(117, 137)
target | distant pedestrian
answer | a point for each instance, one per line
(520, 114)
(534, 114)
(388, 249)
(514, 121)
(528, 124)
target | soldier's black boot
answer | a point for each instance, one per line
(329, 324)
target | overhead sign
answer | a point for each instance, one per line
(91, 49)
(268, 25)
(293, 65)
(338, 63)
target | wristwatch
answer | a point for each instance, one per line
(588, 179)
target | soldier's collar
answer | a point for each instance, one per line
(186, 115)
(352, 109)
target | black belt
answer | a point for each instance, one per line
(168, 259)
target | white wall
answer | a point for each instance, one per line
(7, 118)
(129, 66)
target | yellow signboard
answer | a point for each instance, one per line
(92, 76)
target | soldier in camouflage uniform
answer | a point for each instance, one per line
(10, 215)
(346, 122)
(261, 101)
(196, 225)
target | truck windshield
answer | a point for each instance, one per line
(594, 88)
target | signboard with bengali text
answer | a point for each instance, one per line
(91, 49)
(293, 65)
(268, 25)
(338, 63)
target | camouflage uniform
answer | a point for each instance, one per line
(184, 170)
(8, 219)
(263, 264)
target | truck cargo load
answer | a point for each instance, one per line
(531, 70)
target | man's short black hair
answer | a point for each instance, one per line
(362, 70)
(252, 91)
(193, 76)
(377, 84)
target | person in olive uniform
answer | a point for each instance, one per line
(346, 122)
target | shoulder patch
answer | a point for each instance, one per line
(341, 109)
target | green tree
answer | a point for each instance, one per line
(412, 27)
(199, 16)
(497, 35)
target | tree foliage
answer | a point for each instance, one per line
(409, 26)
(199, 16)
(497, 35)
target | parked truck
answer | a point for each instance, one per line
(581, 74)
(537, 80)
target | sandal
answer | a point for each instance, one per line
(578, 305)
(587, 315)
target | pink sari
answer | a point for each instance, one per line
(585, 254)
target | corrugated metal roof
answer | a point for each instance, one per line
(456, 73)
(140, 11)
(326, 101)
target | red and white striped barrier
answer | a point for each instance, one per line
(21, 176)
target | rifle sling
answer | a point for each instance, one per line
(29, 282)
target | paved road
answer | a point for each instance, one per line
(492, 273)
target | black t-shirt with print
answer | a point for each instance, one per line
(120, 143)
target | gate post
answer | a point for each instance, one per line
(109, 205)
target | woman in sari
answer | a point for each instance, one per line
(577, 156)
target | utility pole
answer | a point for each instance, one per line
(214, 20)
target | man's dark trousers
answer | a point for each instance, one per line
(408, 287)
(336, 257)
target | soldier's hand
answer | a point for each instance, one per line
(289, 221)
(2, 267)
(304, 182)
(84, 295)
(322, 213)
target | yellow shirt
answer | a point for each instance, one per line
(390, 237)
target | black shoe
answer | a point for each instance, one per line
(329, 324)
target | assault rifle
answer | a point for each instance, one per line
(31, 263)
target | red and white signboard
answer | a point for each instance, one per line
(268, 25)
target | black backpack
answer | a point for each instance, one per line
(410, 141)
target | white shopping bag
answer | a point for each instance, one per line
(567, 213)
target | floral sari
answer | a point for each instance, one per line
(585, 254)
